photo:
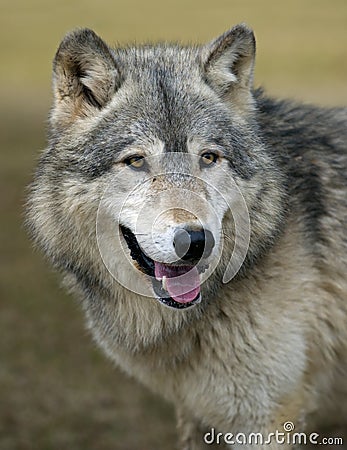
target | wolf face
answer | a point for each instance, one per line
(170, 218)
(156, 145)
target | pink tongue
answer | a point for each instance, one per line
(182, 282)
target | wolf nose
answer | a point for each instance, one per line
(191, 245)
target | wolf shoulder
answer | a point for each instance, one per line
(298, 128)
(309, 144)
(306, 140)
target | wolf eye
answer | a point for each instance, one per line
(135, 162)
(208, 158)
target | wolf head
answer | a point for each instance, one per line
(155, 163)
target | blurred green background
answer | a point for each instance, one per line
(56, 389)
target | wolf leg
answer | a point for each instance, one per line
(191, 433)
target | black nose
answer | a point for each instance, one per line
(192, 245)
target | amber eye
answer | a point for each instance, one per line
(208, 158)
(135, 162)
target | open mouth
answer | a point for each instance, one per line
(176, 286)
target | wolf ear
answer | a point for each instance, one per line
(228, 64)
(84, 77)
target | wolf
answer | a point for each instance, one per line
(202, 224)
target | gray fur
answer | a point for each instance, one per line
(269, 346)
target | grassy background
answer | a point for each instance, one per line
(56, 389)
